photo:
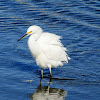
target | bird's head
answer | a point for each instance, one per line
(32, 30)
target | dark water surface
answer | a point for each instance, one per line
(78, 22)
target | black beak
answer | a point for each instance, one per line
(22, 37)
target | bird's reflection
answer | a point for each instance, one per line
(47, 93)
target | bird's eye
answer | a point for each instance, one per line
(29, 32)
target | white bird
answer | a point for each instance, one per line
(46, 48)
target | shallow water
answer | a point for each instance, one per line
(78, 22)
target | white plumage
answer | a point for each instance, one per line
(46, 48)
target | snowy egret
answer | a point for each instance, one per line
(46, 48)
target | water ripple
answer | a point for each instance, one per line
(78, 22)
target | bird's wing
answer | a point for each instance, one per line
(51, 39)
(52, 47)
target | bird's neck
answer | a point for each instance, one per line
(36, 36)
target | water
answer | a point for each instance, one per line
(78, 22)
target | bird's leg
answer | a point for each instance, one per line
(41, 73)
(50, 71)
(49, 82)
(41, 81)
(50, 74)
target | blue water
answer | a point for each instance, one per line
(78, 22)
